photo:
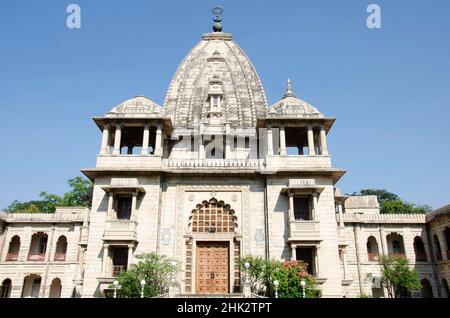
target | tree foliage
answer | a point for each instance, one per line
(398, 277)
(155, 269)
(263, 273)
(391, 203)
(77, 196)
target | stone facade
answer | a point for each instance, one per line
(215, 167)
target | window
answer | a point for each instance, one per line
(437, 248)
(120, 260)
(302, 210)
(42, 245)
(419, 250)
(14, 247)
(306, 255)
(124, 208)
(427, 291)
(5, 289)
(212, 217)
(396, 247)
(372, 249)
(215, 102)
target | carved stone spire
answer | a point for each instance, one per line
(288, 92)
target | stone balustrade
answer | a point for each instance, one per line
(384, 218)
(212, 163)
(62, 214)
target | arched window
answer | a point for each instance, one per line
(447, 240)
(437, 248)
(445, 288)
(395, 245)
(5, 289)
(419, 250)
(61, 249)
(213, 216)
(372, 249)
(427, 291)
(55, 288)
(38, 247)
(14, 248)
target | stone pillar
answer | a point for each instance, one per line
(117, 140)
(323, 141)
(441, 237)
(269, 142)
(291, 206)
(133, 206)
(293, 252)
(282, 142)
(105, 259)
(110, 204)
(344, 263)
(129, 150)
(228, 141)
(384, 247)
(201, 148)
(105, 140)
(130, 255)
(356, 231)
(314, 205)
(341, 217)
(312, 151)
(145, 140)
(158, 141)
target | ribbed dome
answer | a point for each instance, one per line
(291, 106)
(139, 106)
(217, 63)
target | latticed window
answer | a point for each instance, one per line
(212, 217)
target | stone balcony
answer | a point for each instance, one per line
(304, 231)
(120, 230)
(207, 164)
(298, 162)
(129, 161)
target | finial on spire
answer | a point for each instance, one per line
(288, 92)
(217, 11)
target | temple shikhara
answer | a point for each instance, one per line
(215, 174)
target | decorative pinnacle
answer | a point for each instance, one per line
(217, 11)
(288, 92)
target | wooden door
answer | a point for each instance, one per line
(212, 268)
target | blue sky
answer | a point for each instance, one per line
(388, 88)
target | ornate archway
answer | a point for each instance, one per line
(212, 250)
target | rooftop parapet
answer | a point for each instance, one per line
(384, 218)
(61, 215)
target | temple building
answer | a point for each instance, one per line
(213, 175)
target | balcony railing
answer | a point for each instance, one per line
(120, 230)
(397, 255)
(373, 257)
(36, 257)
(60, 257)
(12, 257)
(117, 269)
(304, 230)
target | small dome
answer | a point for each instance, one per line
(139, 106)
(290, 105)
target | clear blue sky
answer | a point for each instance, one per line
(388, 88)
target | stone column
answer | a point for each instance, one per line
(341, 217)
(130, 255)
(129, 150)
(133, 206)
(282, 142)
(105, 259)
(291, 206)
(117, 140)
(110, 204)
(312, 151)
(356, 232)
(384, 247)
(201, 148)
(293, 252)
(105, 140)
(158, 141)
(441, 237)
(145, 140)
(269, 142)
(314, 205)
(228, 141)
(344, 263)
(323, 141)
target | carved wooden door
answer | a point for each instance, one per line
(212, 268)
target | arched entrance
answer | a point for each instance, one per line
(55, 288)
(212, 249)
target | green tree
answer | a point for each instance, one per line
(263, 273)
(77, 196)
(398, 277)
(155, 269)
